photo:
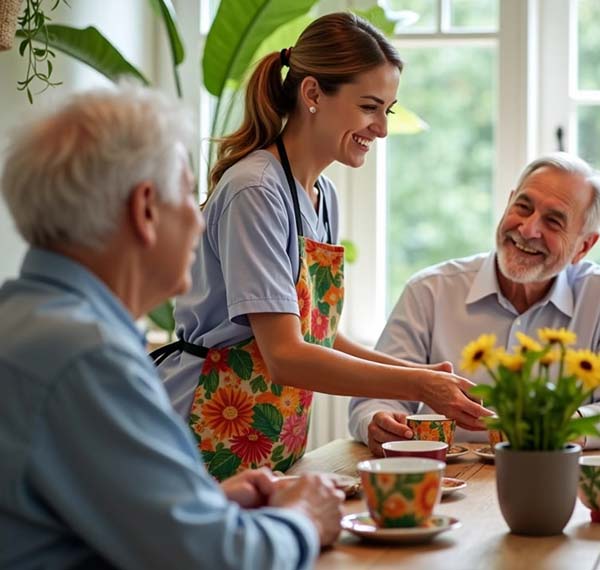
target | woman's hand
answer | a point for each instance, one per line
(448, 394)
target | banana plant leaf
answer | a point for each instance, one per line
(90, 47)
(165, 9)
(377, 16)
(238, 29)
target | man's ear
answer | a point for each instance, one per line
(310, 92)
(586, 245)
(144, 212)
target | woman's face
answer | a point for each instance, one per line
(350, 120)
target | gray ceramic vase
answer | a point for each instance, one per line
(537, 489)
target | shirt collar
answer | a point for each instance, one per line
(486, 283)
(70, 275)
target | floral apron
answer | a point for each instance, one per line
(240, 418)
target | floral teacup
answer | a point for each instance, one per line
(589, 484)
(495, 436)
(432, 427)
(401, 491)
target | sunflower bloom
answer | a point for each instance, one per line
(478, 352)
(527, 344)
(560, 336)
(550, 357)
(585, 365)
(514, 362)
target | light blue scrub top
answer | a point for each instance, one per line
(247, 262)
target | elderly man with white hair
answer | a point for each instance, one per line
(97, 469)
(537, 277)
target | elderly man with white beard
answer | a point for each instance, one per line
(537, 277)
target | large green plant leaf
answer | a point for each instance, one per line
(238, 29)
(165, 9)
(377, 16)
(90, 47)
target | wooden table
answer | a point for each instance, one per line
(482, 543)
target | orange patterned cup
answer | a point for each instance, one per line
(401, 491)
(495, 436)
(432, 427)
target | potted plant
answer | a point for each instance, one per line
(536, 392)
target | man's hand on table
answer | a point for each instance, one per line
(316, 497)
(312, 494)
(386, 426)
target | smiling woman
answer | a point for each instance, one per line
(258, 332)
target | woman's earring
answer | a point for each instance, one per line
(312, 109)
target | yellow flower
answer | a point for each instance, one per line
(477, 352)
(514, 362)
(550, 357)
(527, 343)
(585, 365)
(557, 336)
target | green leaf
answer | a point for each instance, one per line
(224, 464)
(323, 280)
(210, 382)
(482, 391)
(350, 251)
(284, 465)
(169, 17)
(268, 420)
(90, 47)
(241, 363)
(376, 15)
(277, 453)
(238, 29)
(258, 384)
(162, 316)
(405, 122)
(277, 389)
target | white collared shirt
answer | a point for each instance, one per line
(444, 307)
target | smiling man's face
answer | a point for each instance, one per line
(541, 231)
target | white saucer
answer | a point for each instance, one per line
(361, 524)
(450, 485)
(456, 451)
(485, 453)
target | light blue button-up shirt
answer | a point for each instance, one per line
(94, 463)
(446, 306)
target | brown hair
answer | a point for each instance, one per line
(333, 49)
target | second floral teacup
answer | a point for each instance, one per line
(588, 490)
(432, 427)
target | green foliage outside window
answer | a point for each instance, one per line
(440, 180)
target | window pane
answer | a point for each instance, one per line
(412, 15)
(439, 181)
(588, 122)
(474, 14)
(589, 44)
(588, 144)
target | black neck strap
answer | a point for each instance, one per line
(294, 192)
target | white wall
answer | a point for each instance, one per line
(128, 25)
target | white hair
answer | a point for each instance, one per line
(573, 165)
(68, 175)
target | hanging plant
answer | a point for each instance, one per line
(35, 47)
